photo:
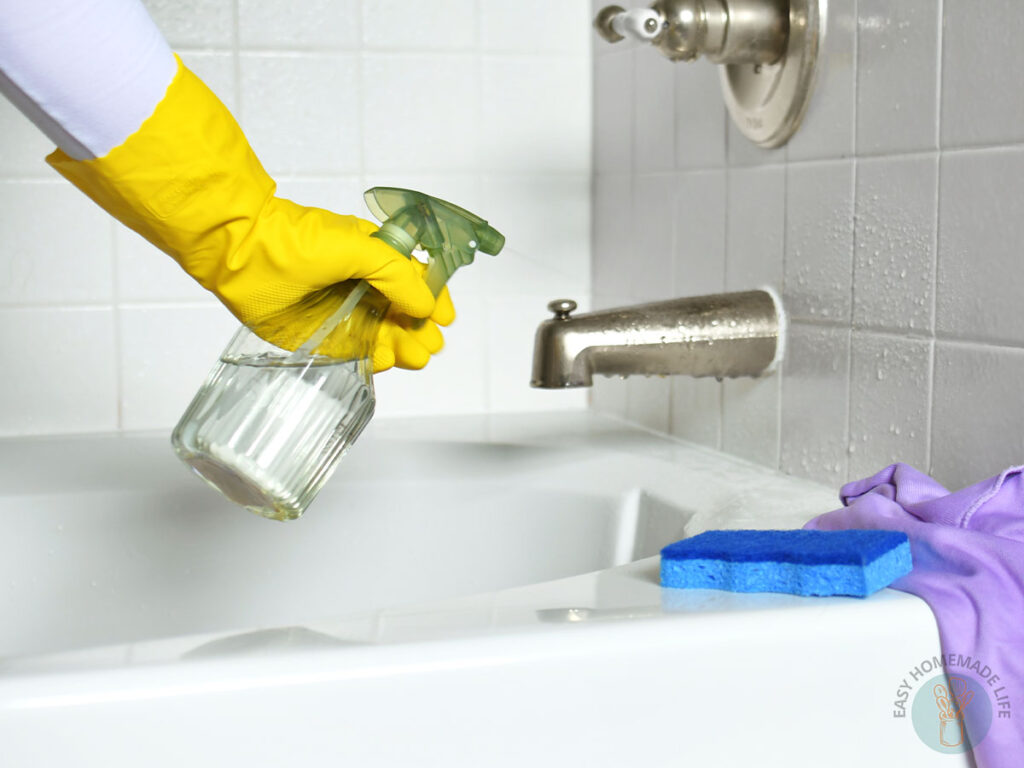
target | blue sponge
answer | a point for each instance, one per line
(796, 562)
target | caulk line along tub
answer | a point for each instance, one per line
(274, 418)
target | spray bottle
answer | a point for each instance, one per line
(289, 396)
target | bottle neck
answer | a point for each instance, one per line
(396, 237)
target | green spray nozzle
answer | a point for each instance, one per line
(409, 219)
(449, 234)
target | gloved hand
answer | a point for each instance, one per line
(189, 182)
(968, 553)
(406, 343)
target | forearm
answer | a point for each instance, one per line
(86, 72)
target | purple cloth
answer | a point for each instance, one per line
(968, 551)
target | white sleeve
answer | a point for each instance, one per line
(86, 72)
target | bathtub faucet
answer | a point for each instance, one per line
(725, 334)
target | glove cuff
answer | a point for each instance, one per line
(174, 180)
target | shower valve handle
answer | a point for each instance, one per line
(615, 23)
(724, 31)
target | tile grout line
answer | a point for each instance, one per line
(478, 177)
(903, 335)
(591, 174)
(675, 243)
(594, 166)
(119, 372)
(930, 407)
(788, 349)
(930, 400)
(628, 388)
(360, 77)
(848, 437)
(938, 75)
(725, 283)
(316, 51)
(236, 58)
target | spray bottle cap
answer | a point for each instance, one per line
(448, 233)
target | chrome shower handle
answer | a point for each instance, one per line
(615, 23)
(724, 31)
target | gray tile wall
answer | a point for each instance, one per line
(892, 224)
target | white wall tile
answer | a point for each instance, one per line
(613, 244)
(166, 353)
(421, 112)
(654, 119)
(546, 223)
(24, 147)
(649, 253)
(516, 90)
(894, 270)
(815, 396)
(897, 60)
(890, 394)
(755, 244)
(341, 194)
(613, 112)
(741, 151)
(982, 59)
(700, 116)
(301, 111)
(455, 381)
(145, 273)
(700, 209)
(531, 26)
(647, 401)
(511, 324)
(819, 241)
(399, 25)
(756, 224)
(827, 130)
(610, 396)
(696, 410)
(981, 227)
(217, 70)
(331, 24)
(56, 245)
(65, 377)
(977, 413)
(751, 416)
(194, 23)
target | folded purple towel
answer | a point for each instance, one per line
(968, 550)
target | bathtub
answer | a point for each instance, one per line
(478, 591)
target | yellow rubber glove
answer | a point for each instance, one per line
(189, 182)
(401, 343)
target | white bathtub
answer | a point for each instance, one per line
(476, 591)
